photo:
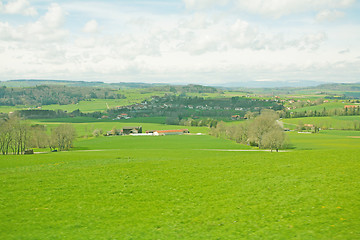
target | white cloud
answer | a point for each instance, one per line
(276, 8)
(54, 17)
(329, 15)
(208, 46)
(47, 28)
(344, 51)
(91, 27)
(271, 8)
(18, 7)
(202, 4)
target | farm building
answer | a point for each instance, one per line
(169, 132)
(350, 106)
(128, 130)
(122, 116)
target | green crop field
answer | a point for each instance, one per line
(132, 96)
(181, 187)
(334, 122)
(7, 109)
(85, 128)
(329, 105)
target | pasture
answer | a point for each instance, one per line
(86, 126)
(132, 96)
(181, 187)
(333, 122)
(321, 107)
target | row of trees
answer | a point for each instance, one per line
(16, 136)
(54, 94)
(209, 122)
(264, 131)
(323, 112)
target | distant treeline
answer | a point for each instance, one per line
(18, 136)
(263, 131)
(55, 94)
(182, 107)
(348, 111)
(45, 114)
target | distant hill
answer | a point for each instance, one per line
(349, 89)
(36, 82)
(269, 84)
(190, 88)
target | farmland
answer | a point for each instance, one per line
(192, 186)
(172, 187)
(333, 122)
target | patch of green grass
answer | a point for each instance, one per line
(132, 96)
(186, 142)
(159, 120)
(180, 194)
(319, 108)
(325, 140)
(334, 122)
(7, 109)
(85, 128)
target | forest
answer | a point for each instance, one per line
(53, 94)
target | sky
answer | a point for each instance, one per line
(181, 41)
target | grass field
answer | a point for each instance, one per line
(183, 187)
(327, 106)
(334, 122)
(7, 109)
(171, 188)
(132, 96)
(85, 126)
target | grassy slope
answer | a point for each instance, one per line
(87, 128)
(167, 188)
(132, 96)
(327, 106)
(336, 122)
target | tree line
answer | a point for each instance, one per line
(264, 131)
(322, 113)
(17, 136)
(54, 94)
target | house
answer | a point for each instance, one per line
(122, 116)
(350, 106)
(235, 117)
(128, 130)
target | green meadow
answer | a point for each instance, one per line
(321, 107)
(333, 122)
(132, 96)
(85, 126)
(183, 187)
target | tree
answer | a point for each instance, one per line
(97, 132)
(274, 139)
(14, 135)
(39, 138)
(262, 124)
(64, 135)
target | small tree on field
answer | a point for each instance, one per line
(262, 124)
(274, 139)
(64, 135)
(97, 132)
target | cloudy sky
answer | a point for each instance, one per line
(180, 41)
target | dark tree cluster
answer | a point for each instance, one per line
(183, 107)
(17, 136)
(263, 131)
(54, 94)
